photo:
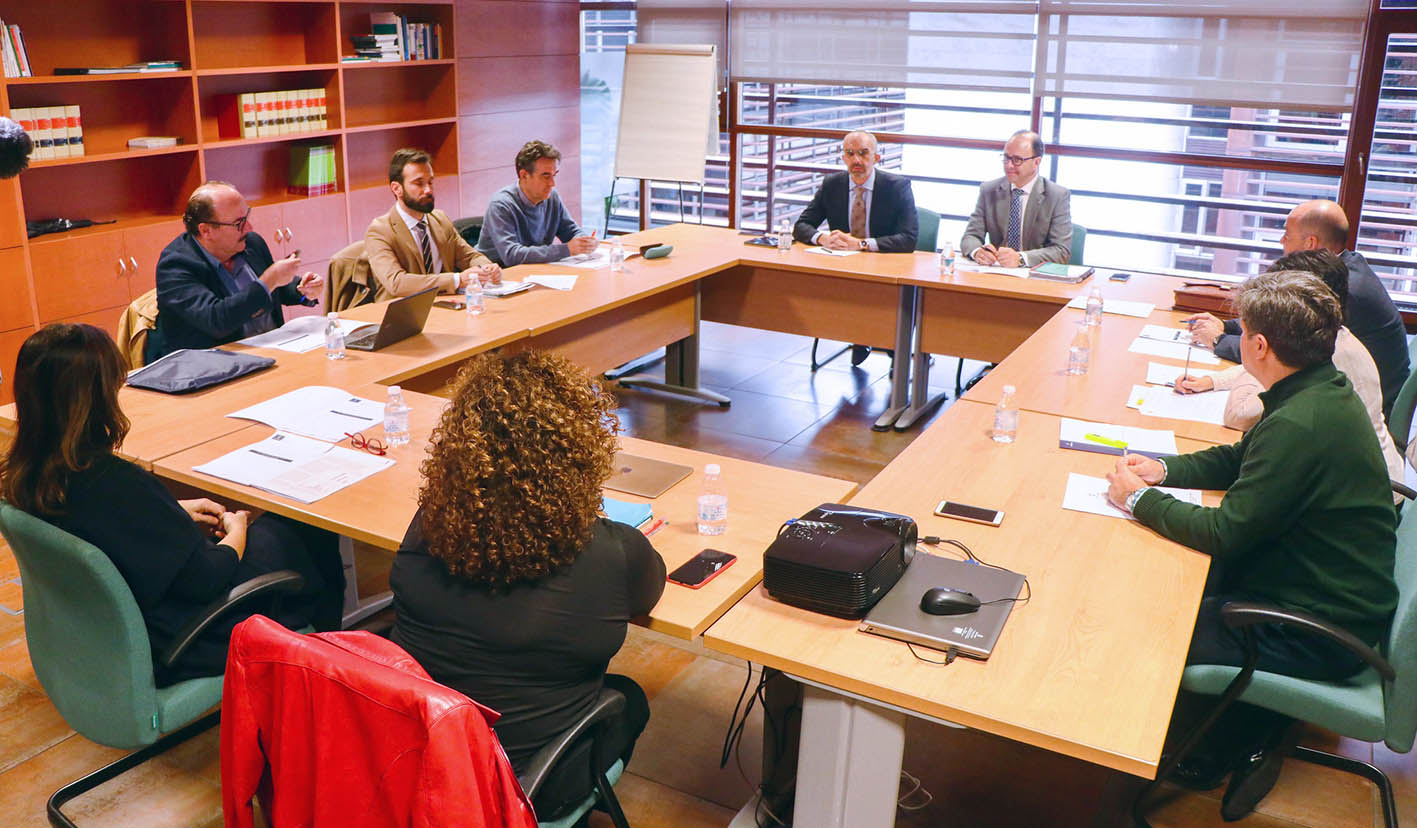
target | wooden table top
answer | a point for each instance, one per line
(377, 510)
(1038, 371)
(1089, 667)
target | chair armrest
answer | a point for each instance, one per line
(1241, 614)
(1404, 490)
(272, 583)
(611, 703)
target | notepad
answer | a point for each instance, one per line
(620, 511)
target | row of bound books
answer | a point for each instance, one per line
(393, 37)
(270, 114)
(13, 55)
(57, 131)
(312, 170)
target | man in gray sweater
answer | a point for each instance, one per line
(526, 221)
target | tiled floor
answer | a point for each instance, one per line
(784, 415)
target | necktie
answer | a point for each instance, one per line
(858, 213)
(422, 228)
(1015, 235)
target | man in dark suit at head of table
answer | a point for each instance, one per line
(217, 282)
(865, 209)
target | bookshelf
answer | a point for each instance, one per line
(226, 48)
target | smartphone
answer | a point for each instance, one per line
(702, 568)
(975, 514)
(449, 304)
(1120, 277)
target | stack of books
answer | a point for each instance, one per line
(57, 131)
(272, 114)
(393, 37)
(153, 141)
(141, 66)
(13, 55)
(312, 170)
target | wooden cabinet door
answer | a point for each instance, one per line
(15, 311)
(317, 226)
(268, 220)
(141, 248)
(10, 342)
(12, 229)
(76, 276)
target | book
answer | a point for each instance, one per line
(1057, 272)
(43, 134)
(247, 103)
(265, 115)
(21, 53)
(74, 124)
(58, 132)
(153, 141)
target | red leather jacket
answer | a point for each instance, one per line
(355, 733)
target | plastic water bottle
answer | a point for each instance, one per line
(947, 259)
(617, 257)
(784, 236)
(396, 418)
(1093, 315)
(1080, 352)
(1006, 417)
(334, 337)
(713, 503)
(472, 297)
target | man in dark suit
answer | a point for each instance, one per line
(1026, 218)
(1370, 313)
(864, 208)
(217, 282)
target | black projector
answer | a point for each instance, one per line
(838, 560)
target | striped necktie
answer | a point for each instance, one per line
(858, 213)
(1015, 234)
(422, 228)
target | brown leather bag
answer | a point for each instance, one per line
(1205, 297)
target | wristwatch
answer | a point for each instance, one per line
(865, 246)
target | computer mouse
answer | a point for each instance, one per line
(947, 601)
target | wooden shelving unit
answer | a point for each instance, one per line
(226, 47)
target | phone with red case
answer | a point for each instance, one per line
(701, 568)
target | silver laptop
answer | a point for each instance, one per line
(402, 318)
(644, 477)
(898, 615)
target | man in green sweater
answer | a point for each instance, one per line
(1307, 521)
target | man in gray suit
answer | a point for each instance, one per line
(1025, 216)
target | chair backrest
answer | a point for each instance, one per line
(470, 229)
(1400, 697)
(1399, 420)
(138, 319)
(1078, 243)
(929, 237)
(86, 636)
(348, 284)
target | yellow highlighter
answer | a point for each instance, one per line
(1107, 441)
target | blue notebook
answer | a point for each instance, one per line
(635, 514)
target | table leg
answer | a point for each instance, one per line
(681, 366)
(848, 768)
(357, 609)
(900, 369)
(921, 402)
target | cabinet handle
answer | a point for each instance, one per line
(288, 235)
(122, 268)
(134, 262)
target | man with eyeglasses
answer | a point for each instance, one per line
(1022, 219)
(865, 209)
(218, 282)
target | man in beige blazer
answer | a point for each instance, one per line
(415, 247)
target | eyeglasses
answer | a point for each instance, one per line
(1015, 160)
(240, 224)
(858, 153)
(373, 446)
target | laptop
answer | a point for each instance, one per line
(403, 318)
(898, 614)
(644, 477)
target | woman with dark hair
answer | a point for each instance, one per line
(176, 556)
(508, 586)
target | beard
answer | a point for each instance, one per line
(423, 206)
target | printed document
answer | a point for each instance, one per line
(1107, 438)
(1160, 374)
(1172, 350)
(1207, 407)
(1165, 334)
(1120, 307)
(295, 467)
(1089, 494)
(594, 260)
(970, 267)
(827, 251)
(317, 411)
(304, 333)
(555, 281)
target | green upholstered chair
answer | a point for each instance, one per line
(470, 229)
(1399, 420)
(91, 652)
(1076, 246)
(1377, 705)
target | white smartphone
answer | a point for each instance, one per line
(974, 514)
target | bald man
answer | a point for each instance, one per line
(1370, 314)
(217, 282)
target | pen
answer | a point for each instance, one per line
(1190, 325)
(658, 524)
(355, 416)
(272, 456)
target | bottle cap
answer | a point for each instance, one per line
(711, 468)
(1008, 389)
(394, 389)
(332, 315)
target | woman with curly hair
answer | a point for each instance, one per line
(509, 586)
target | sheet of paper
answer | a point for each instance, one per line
(1137, 396)
(1172, 350)
(824, 251)
(1089, 494)
(1120, 307)
(1208, 407)
(295, 467)
(304, 333)
(507, 288)
(1163, 333)
(317, 411)
(998, 270)
(1160, 374)
(555, 281)
(1082, 435)
(594, 260)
